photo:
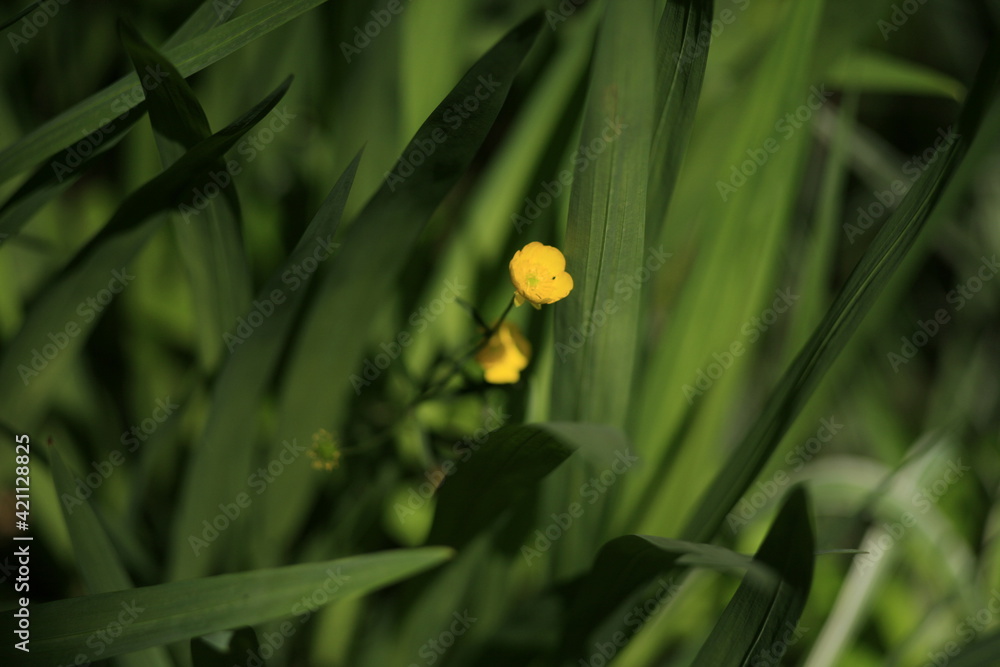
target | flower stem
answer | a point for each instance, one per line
(456, 364)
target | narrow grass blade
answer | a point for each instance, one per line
(61, 309)
(95, 555)
(876, 267)
(192, 56)
(883, 73)
(155, 615)
(762, 615)
(211, 246)
(221, 458)
(680, 70)
(605, 231)
(64, 167)
(59, 172)
(173, 107)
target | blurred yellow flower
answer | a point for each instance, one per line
(505, 355)
(539, 275)
(324, 452)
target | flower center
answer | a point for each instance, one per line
(533, 280)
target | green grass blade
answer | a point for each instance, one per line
(605, 232)
(680, 70)
(221, 459)
(211, 246)
(376, 247)
(763, 614)
(203, 19)
(883, 73)
(95, 555)
(155, 615)
(58, 173)
(173, 107)
(721, 236)
(876, 267)
(190, 57)
(26, 375)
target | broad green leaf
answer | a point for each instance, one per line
(221, 459)
(60, 316)
(376, 248)
(490, 476)
(95, 555)
(680, 70)
(597, 324)
(192, 56)
(155, 615)
(876, 267)
(761, 620)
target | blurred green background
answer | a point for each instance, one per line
(815, 121)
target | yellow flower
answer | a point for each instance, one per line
(505, 355)
(539, 275)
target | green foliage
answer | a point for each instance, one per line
(254, 354)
